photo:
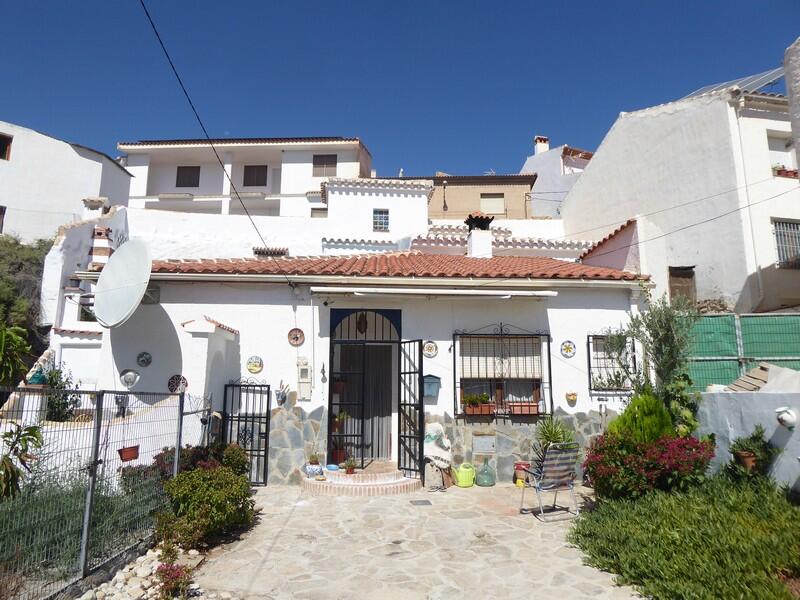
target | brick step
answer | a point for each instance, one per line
(335, 488)
(364, 477)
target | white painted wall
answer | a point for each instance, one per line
(297, 173)
(730, 415)
(791, 64)
(554, 179)
(689, 152)
(46, 179)
(264, 313)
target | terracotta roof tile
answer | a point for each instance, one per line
(400, 264)
(610, 236)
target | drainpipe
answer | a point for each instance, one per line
(759, 275)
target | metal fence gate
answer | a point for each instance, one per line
(246, 423)
(725, 346)
(411, 413)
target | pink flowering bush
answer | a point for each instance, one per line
(174, 581)
(619, 467)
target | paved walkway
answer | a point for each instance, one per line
(469, 543)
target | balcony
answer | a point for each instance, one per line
(256, 203)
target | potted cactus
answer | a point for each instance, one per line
(350, 466)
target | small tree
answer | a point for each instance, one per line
(61, 400)
(664, 333)
(13, 350)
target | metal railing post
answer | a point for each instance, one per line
(92, 467)
(178, 435)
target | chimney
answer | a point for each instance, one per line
(479, 242)
(101, 248)
(541, 143)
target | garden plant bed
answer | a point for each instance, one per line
(719, 540)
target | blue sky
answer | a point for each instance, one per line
(460, 87)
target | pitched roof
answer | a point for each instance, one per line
(495, 179)
(610, 236)
(400, 264)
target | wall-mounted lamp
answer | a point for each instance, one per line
(444, 195)
(786, 417)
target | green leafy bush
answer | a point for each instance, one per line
(719, 540)
(61, 401)
(619, 467)
(645, 419)
(209, 502)
(236, 459)
(14, 349)
(18, 442)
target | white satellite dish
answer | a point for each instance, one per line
(122, 283)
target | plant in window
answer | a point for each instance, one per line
(477, 404)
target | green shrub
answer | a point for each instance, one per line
(550, 431)
(645, 419)
(719, 540)
(236, 459)
(212, 501)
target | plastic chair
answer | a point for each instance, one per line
(557, 473)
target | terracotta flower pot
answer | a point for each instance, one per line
(350, 470)
(128, 453)
(524, 408)
(479, 409)
(746, 459)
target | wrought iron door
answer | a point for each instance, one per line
(246, 423)
(346, 393)
(411, 413)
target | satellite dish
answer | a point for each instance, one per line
(122, 284)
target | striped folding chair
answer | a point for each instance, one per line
(557, 473)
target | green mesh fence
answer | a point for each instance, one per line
(715, 356)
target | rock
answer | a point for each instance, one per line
(146, 584)
(143, 571)
(135, 594)
(225, 595)
(88, 595)
(134, 583)
(193, 552)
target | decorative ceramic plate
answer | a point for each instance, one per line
(144, 359)
(255, 364)
(568, 349)
(175, 382)
(430, 349)
(296, 337)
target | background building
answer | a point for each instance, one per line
(46, 182)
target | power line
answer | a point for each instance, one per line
(199, 120)
(663, 235)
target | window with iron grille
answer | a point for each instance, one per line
(255, 175)
(509, 369)
(608, 364)
(380, 219)
(787, 241)
(324, 165)
(187, 177)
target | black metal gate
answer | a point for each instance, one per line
(346, 414)
(246, 423)
(411, 413)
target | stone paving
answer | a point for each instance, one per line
(469, 543)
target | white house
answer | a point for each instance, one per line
(557, 170)
(711, 182)
(46, 182)
(273, 176)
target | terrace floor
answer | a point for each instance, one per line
(468, 543)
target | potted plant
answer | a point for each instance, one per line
(313, 459)
(754, 453)
(523, 408)
(477, 404)
(128, 453)
(350, 466)
(338, 385)
(339, 420)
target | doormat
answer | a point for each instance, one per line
(421, 502)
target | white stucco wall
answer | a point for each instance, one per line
(264, 313)
(666, 156)
(553, 181)
(791, 64)
(46, 179)
(297, 173)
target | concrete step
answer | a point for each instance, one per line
(340, 488)
(365, 477)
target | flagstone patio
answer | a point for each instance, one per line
(468, 543)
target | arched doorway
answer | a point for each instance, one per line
(375, 402)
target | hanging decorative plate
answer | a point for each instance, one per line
(430, 349)
(568, 349)
(176, 382)
(255, 364)
(143, 359)
(361, 323)
(296, 337)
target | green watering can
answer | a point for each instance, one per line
(465, 475)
